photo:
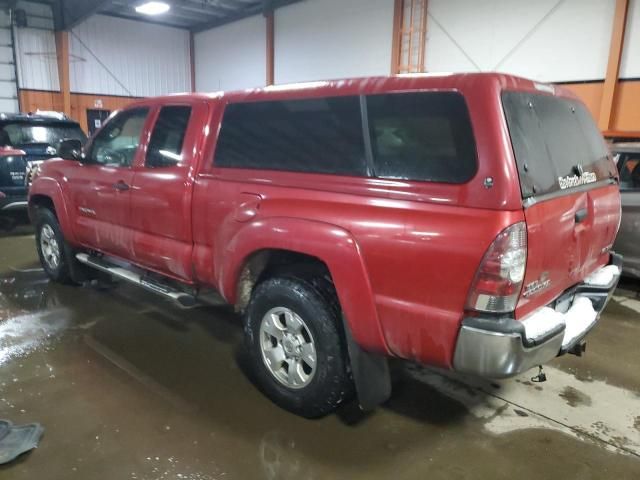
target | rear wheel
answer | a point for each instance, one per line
(56, 256)
(297, 350)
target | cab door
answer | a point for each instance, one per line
(162, 189)
(100, 187)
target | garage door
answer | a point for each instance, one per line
(8, 91)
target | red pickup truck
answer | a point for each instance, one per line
(461, 221)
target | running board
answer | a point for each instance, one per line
(182, 299)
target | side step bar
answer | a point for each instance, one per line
(181, 298)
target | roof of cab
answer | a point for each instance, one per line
(36, 117)
(372, 85)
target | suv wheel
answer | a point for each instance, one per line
(297, 352)
(55, 254)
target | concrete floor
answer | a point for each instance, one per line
(129, 387)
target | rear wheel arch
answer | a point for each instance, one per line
(243, 258)
(268, 262)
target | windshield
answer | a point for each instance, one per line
(51, 134)
(556, 143)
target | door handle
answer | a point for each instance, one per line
(581, 215)
(121, 186)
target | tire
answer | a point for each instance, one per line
(56, 255)
(291, 382)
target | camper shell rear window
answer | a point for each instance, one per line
(556, 143)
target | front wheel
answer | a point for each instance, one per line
(56, 256)
(294, 342)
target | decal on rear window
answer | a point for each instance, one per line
(576, 181)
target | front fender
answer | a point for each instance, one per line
(331, 244)
(50, 188)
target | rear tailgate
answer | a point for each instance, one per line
(569, 189)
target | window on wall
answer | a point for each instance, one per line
(165, 146)
(315, 135)
(421, 136)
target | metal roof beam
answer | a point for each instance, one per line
(261, 8)
(76, 11)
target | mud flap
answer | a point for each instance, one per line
(16, 440)
(370, 374)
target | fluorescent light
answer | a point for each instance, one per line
(153, 8)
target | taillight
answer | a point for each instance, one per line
(498, 281)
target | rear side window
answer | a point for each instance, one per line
(314, 135)
(422, 136)
(556, 143)
(165, 146)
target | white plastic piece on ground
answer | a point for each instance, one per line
(603, 276)
(578, 318)
(541, 322)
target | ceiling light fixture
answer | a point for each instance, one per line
(153, 8)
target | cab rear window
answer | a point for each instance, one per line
(556, 143)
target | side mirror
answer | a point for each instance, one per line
(70, 149)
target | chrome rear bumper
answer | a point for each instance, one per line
(503, 347)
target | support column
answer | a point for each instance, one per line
(62, 49)
(613, 65)
(396, 41)
(192, 61)
(270, 47)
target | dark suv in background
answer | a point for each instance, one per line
(25, 141)
(38, 134)
(13, 180)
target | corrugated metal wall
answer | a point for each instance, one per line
(8, 89)
(232, 57)
(36, 49)
(112, 56)
(324, 39)
(630, 61)
(547, 40)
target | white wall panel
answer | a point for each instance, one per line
(35, 49)
(630, 61)
(232, 56)
(546, 40)
(113, 56)
(36, 57)
(325, 39)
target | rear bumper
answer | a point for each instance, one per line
(503, 347)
